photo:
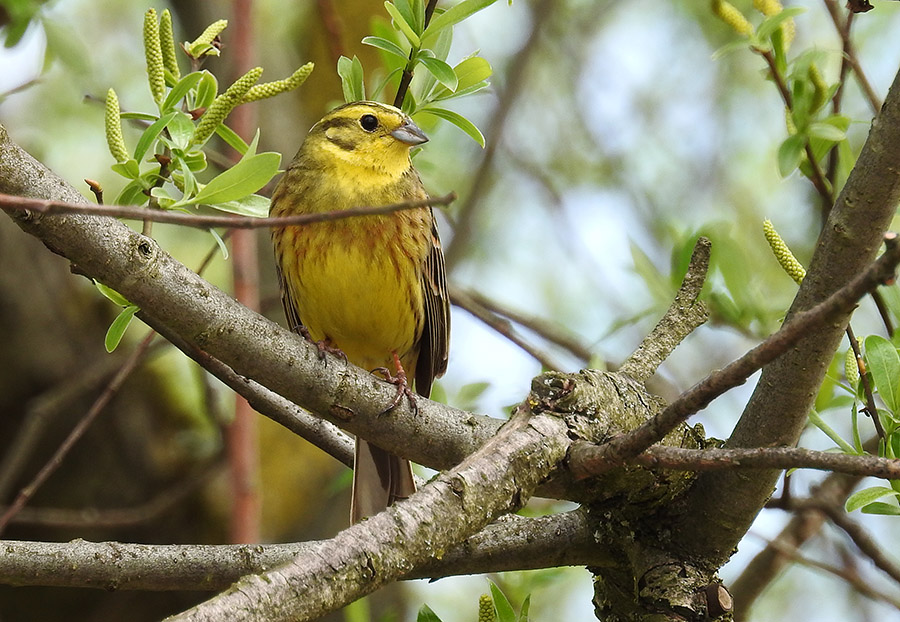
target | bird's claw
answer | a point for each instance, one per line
(402, 385)
(323, 346)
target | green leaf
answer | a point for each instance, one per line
(207, 90)
(820, 423)
(148, 137)
(112, 294)
(440, 70)
(472, 71)
(141, 116)
(771, 24)
(884, 364)
(790, 154)
(523, 612)
(181, 129)
(130, 169)
(427, 615)
(881, 508)
(220, 242)
(132, 194)
(459, 121)
(404, 26)
(352, 82)
(230, 136)
(245, 177)
(388, 46)
(118, 327)
(253, 205)
(454, 15)
(163, 198)
(866, 496)
(180, 90)
(504, 610)
(826, 131)
(195, 161)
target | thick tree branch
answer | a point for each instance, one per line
(510, 543)
(777, 411)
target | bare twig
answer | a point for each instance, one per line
(13, 203)
(586, 459)
(871, 408)
(850, 55)
(550, 331)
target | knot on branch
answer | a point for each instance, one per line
(596, 407)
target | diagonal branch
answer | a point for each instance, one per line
(498, 477)
(800, 325)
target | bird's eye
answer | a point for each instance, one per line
(368, 122)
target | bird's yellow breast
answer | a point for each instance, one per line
(357, 283)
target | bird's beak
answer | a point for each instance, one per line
(410, 134)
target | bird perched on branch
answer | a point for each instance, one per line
(372, 287)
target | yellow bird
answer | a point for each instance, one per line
(373, 286)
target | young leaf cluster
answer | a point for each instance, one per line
(882, 372)
(163, 168)
(412, 46)
(165, 164)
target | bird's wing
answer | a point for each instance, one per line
(290, 308)
(435, 341)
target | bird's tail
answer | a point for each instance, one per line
(379, 479)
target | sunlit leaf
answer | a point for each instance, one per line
(790, 153)
(181, 129)
(401, 23)
(207, 90)
(352, 82)
(254, 205)
(230, 136)
(118, 327)
(454, 15)
(440, 70)
(149, 136)
(388, 46)
(245, 177)
(459, 121)
(427, 615)
(884, 365)
(866, 496)
(181, 89)
(502, 606)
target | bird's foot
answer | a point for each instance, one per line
(324, 346)
(401, 383)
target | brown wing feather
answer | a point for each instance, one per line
(435, 340)
(290, 309)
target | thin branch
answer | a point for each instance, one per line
(545, 329)
(736, 373)
(682, 317)
(464, 225)
(871, 408)
(818, 177)
(116, 518)
(12, 203)
(323, 434)
(77, 432)
(860, 537)
(407, 76)
(769, 563)
(851, 578)
(586, 459)
(502, 326)
(850, 55)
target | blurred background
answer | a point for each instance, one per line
(614, 138)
